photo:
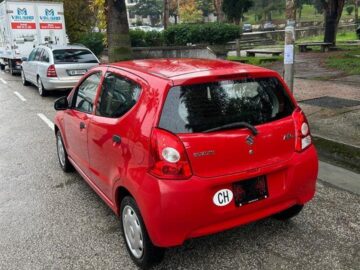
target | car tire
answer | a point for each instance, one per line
(42, 91)
(289, 213)
(2, 67)
(144, 254)
(23, 79)
(62, 154)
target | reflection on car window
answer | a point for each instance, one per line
(32, 55)
(118, 96)
(67, 56)
(38, 54)
(45, 57)
(200, 107)
(86, 93)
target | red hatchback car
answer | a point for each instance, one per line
(182, 148)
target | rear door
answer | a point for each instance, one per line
(111, 131)
(77, 120)
(28, 66)
(72, 64)
(202, 116)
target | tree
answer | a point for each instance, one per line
(152, 8)
(235, 9)
(78, 18)
(264, 8)
(219, 11)
(189, 12)
(117, 26)
(333, 10)
(166, 13)
(206, 6)
(98, 7)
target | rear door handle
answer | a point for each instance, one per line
(116, 139)
(82, 125)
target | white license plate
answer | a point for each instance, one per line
(76, 72)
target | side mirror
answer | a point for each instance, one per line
(24, 59)
(61, 104)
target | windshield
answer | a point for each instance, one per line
(66, 56)
(202, 107)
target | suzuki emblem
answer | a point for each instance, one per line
(250, 140)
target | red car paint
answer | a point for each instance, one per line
(181, 207)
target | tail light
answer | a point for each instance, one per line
(51, 71)
(169, 156)
(302, 131)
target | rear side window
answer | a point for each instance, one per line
(118, 96)
(67, 56)
(202, 107)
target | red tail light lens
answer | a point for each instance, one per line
(51, 71)
(169, 156)
(302, 131)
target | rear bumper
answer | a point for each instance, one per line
(59, 84)
(184, 209)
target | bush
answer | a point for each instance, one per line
(209, 33)
(350, 10)
(94, 41)
(140, 38)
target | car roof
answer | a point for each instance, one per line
(62, 47)
(187, 68)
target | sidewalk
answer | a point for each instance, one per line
(331, 101)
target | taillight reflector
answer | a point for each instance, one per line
(51, 71)
(302, 131)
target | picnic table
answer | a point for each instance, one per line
(325, 46)
(263, 51)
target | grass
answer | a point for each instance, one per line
(257, 61)
(341, 37)
(347, 61)
(308, 14)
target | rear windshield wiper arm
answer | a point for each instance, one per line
(235, 125)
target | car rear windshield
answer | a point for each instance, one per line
(66, 56)
(202, 107)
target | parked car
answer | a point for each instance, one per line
(182, 148)
(269, 26)
(247, 28)
(53, 67)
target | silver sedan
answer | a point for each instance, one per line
(56, 67)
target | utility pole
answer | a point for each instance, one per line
(289, 51)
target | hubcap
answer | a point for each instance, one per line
(40, 87)
(133, 233)
(61, 151)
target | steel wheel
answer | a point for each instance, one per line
(61, 151)
(133, 232)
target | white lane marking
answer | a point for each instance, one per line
(46, 120)
(20, 96)
(3, 81)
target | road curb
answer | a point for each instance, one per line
(338, 153)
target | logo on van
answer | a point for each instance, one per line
(22, 11)
(22, 15)
(49, 12)
(50, 16)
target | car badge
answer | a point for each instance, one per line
(250, 140)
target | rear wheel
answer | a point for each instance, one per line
(289, 213)
(41, 89)
(23, 78)
(2, 67)
(62, 155)
(141, 249)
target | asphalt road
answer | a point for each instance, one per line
(53, 220)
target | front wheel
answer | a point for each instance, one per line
(23, 78)
(289, 213)
(62, 155)
(138, 244)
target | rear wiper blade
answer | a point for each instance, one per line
(235, 125)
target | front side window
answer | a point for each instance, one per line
(85, 95)
(66, 56)
(118, 96)
(32, 55)
(203, 107)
